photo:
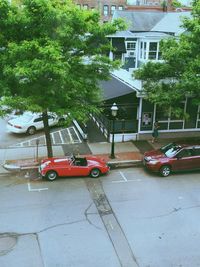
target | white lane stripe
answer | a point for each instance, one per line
(76, 134)
(35, 189)
(128, 181)
(70, 136)
(61, 137)
(53, 139)
(123, 176)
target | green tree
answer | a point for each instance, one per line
(52, 57)
(169, 82)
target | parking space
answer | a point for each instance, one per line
(59, 137)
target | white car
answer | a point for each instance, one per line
(31, 122)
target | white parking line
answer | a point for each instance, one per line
(35, 189)
(123, 176)
(70, 136)
(79, 139)
(61, 137)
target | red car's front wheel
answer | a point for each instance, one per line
(51, 175)
(95, 173)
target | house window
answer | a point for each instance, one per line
(143, 50)
(120, 8)
(79, 6)
(131, 46)
(113, 8)
(85, 6)
(153, 47)
(105, 10)
(150, 51)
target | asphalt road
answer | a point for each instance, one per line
(80, 222)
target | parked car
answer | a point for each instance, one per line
(173, 157)
(51, 168)
(30, 122)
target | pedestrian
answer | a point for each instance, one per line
(155, 132)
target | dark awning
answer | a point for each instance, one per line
(114, 88)
(119, 45)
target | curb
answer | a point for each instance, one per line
(125, 164)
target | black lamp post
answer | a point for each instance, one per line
(37, 144)
(114, 110)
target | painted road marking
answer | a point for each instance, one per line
(35, 189)
(110, 223)
(128, 181)
(63, 136)
(125, 180)
(123, 176)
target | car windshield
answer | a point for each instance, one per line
(171, 151)
(26, 117)
(167, 147)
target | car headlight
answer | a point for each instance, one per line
(153, 161)
(43, 165)
(147, 158)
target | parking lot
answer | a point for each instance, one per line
(59, 137)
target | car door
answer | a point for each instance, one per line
(78, 169)
(38, 122)
(52, 120)
(184, 160)
(196, 157)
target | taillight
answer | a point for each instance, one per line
(17, 126)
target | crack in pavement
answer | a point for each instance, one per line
(86, 213)
(169, 213)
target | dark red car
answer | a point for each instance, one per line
(51, 168)
(173, 157)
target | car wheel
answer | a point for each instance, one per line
(51, 175)
(95, 173)
(31, 130)
(165, 170)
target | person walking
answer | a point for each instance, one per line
(155, 132)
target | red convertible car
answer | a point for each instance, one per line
(51, 168)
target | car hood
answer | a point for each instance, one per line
(154, 154)
(95, 160)
(54, 160)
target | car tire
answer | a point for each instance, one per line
(95, 173)
(31, 130)
(51, 175)
(165, 170)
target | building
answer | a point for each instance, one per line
(135, 46)
(107, 8)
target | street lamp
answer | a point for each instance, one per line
(114, 110)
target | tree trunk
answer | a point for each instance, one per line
(47, 134)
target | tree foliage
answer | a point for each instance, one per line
(178, 76)
(52, 56)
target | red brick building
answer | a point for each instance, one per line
(107, 7)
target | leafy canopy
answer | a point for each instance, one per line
(169, 82)
(52, 56)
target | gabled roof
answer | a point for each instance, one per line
(147, 21)
(171, 23)
(138, 21)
